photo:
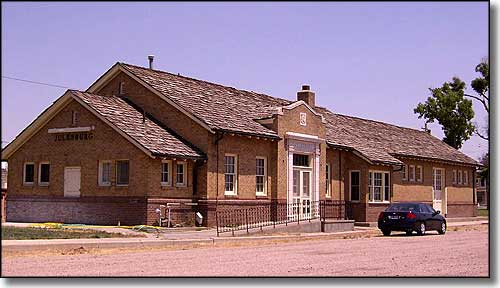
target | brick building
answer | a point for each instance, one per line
(139, 139)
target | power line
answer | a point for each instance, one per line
(35, 82)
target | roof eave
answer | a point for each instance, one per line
(436, 160)
(274, 137)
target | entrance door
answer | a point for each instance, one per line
(301, 203)
(438, 176)
(72, 177)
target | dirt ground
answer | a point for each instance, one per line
(463, 251)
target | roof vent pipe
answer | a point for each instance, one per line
(151, 58)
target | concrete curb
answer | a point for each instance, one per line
(110, 243)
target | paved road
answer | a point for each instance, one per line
(458, 253)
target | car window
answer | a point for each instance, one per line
(403, 208)
(431, 210)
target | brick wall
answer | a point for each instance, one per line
(177, 121)
(85, 210)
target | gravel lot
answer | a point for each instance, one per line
(458, 253)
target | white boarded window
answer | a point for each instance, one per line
(166, 172)
(454, 179)
(181, 174)
(29, 173)
(459, 177)
(230, 174)
(260, 175)
(405, 172)
(466, 178)
(105, 170)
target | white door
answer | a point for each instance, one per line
(301, 203)
(438, 177)
(72, 177)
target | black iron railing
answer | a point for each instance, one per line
(231, 218)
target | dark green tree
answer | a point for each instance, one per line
(453, 112)
(481, 86)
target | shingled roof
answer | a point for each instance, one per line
(229, 109)
(220, 107)
(382, 142)
(146, 131)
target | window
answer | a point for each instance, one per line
(74, 118)
(412, 173)
(166, 167)
(230, 175)
(260, 176)
(454, 179)
(121, 88)
(181, 173)
(460, 177)
(354, 180)
(328, 181)
(29, 173)
(122, 172)
(378, 186)
(300, 160)
(405, 172)
(105, 173)
(483, 182)
(44, 174)
(419, 172)
(466, 178)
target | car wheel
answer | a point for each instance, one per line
(386, 232)
(409, 232)
(442, 230)
(421, 229)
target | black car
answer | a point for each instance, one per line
(411, 217)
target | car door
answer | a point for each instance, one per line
(425, 216)
(433, 217)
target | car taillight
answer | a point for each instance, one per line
(381, 215)
(411, 215)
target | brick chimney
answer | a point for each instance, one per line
(306, 95)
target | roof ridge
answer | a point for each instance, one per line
(371, 120)
(207, 82)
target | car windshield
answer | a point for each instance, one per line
(402, 208)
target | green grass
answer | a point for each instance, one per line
(482, 212)
(27, 233)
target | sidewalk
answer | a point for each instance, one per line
(188, 239)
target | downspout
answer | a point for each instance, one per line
(474, 188)
(340, 173)
(217, 139)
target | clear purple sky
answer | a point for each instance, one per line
(371, 60)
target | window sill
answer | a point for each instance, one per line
(180, 185)
(260, 195)
(230, 194)
(379, 202)
(122, 185)
(43, 184)
(164, 184)
(105, 185)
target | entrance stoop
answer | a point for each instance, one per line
(337, 225)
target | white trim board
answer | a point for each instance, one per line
(71, 129)
(49, 114)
